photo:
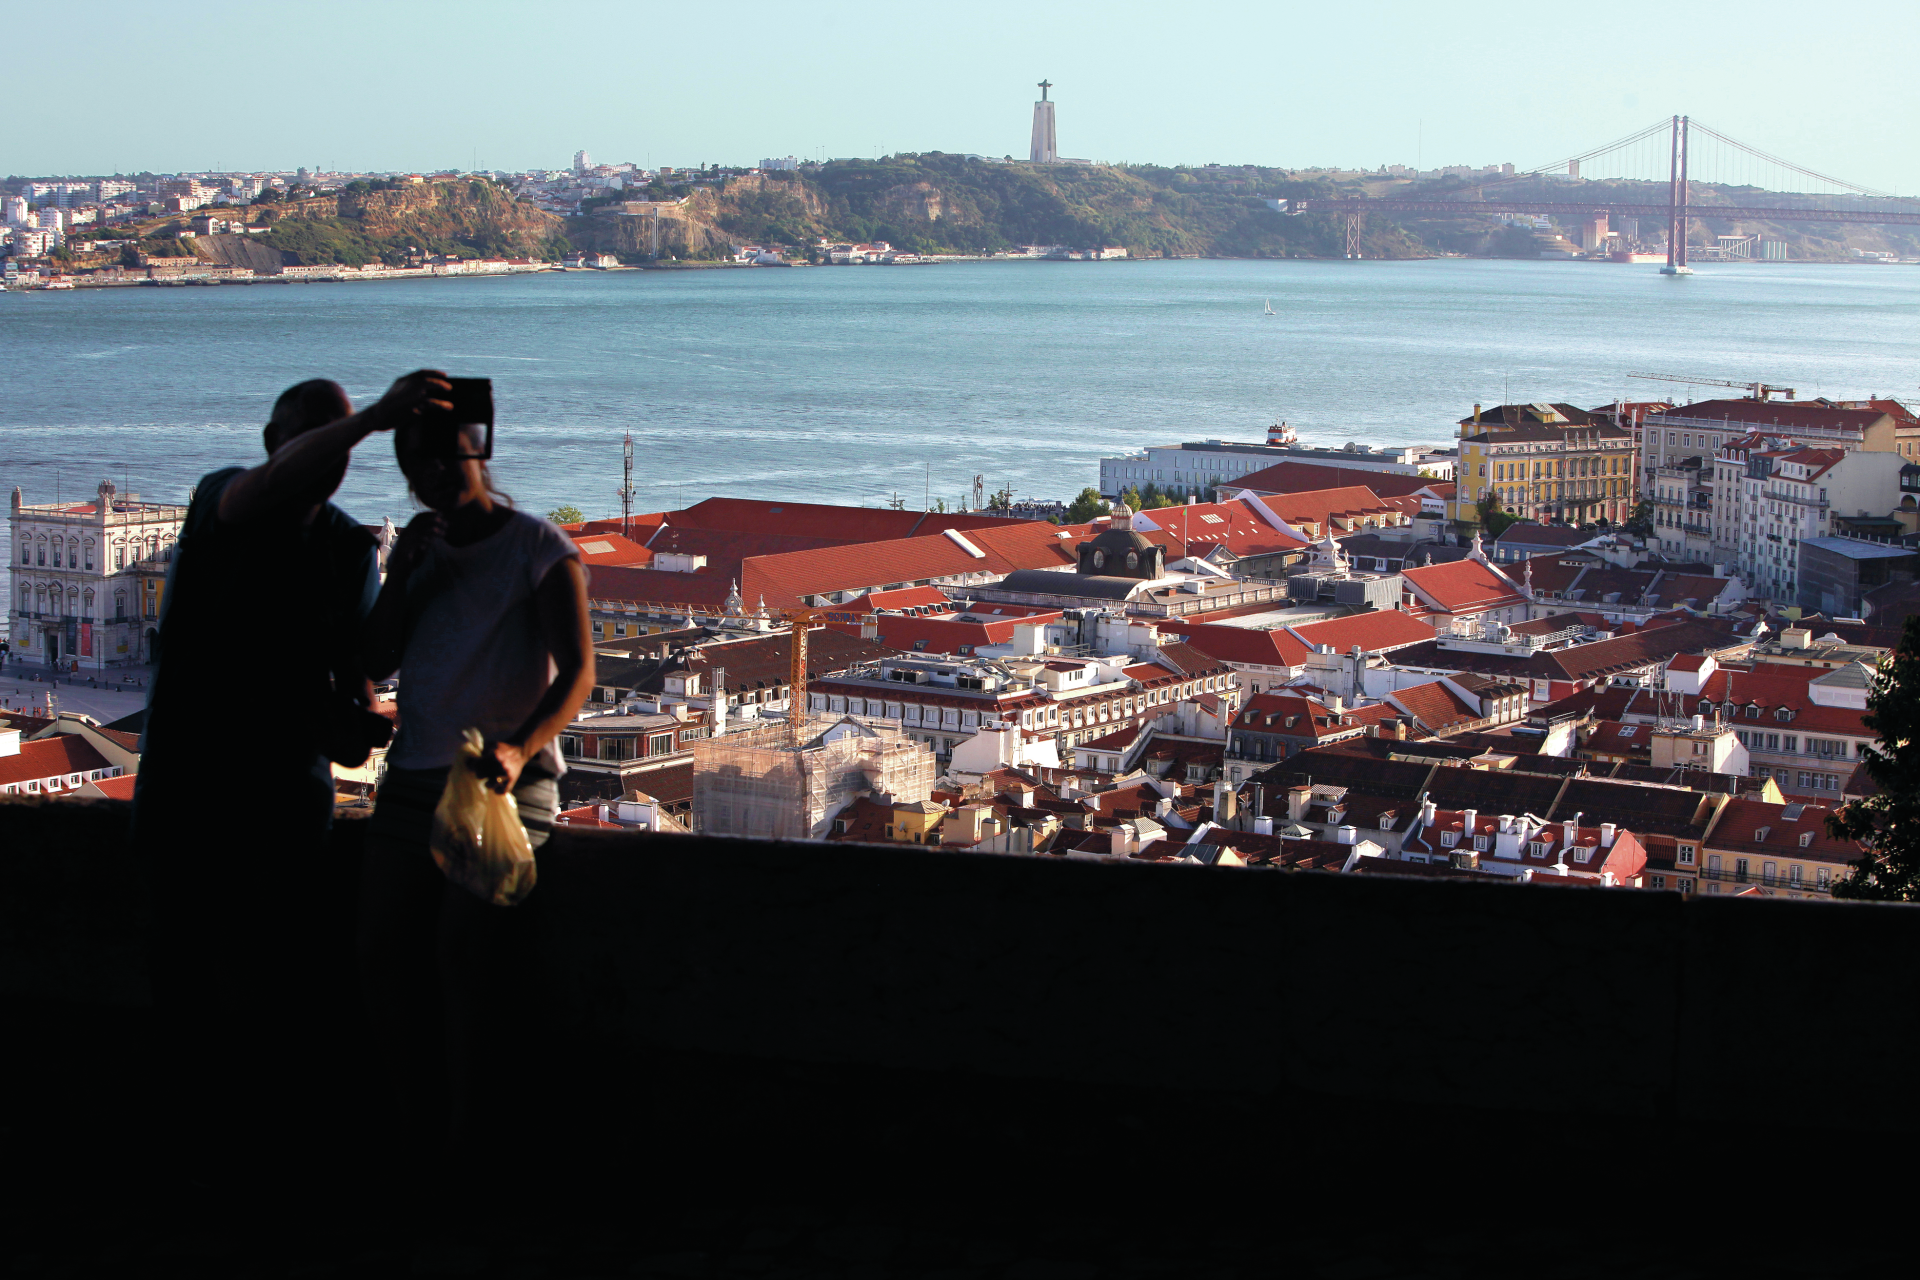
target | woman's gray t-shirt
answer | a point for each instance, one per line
(474, 655)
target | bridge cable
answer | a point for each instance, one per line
(1790, 165)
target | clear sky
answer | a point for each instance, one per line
(418, 84)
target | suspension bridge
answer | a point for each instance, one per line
(1678, 145)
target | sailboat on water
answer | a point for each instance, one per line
(1269, 310)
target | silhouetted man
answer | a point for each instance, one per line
(257, 686)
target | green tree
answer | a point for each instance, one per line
(1086, 507)
(566, 513)
(1889, 823)
(1641, 521)
(1494, 519)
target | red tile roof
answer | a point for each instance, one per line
(1772, 686)
(120, 788)
(1303, 477)
(1197, 528)
(1463, 586)
(1739, 828)
(1311, 718)
(905, 598)
(1435, 707)
(1323, 511)
(726, 548)
(1612, 738)
(835, 524)
(60, 756)
(1779, 417)
(611, 549)
(1380, 631)
(940, 634)
(1278, 648)
(654, 586)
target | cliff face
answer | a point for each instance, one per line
(463, 218)
(467, 211)
(701, 225)
(238, 251)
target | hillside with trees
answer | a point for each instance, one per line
(942, 203)
(938, 202)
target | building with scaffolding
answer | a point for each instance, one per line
(758, 783)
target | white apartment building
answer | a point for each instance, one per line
(75, 587)
(1694, 470)
(1205, 464)
(1768, 495)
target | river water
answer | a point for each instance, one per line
(856, 384)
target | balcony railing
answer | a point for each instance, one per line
(1775, 881)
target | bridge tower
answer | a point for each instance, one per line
(1677, 202)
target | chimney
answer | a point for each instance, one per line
(1570, 833)
(1299, 797)
(1348, 835)
(1263, 825)
(1427, 811)
(1606, 835)
(1476, 415)
(1226, 801)
(1126, 840)
(1467, 820)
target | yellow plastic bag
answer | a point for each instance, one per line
(478, 841)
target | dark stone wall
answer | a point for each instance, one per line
(1635, 1005)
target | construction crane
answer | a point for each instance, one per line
(1759, 390)
(799, 620)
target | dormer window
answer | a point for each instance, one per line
(1806, 839)
(1480, 843)
(1753, 711)
(1448, 839)
(1760, 834)
(1538, 848)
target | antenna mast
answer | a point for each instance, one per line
(626, 490)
